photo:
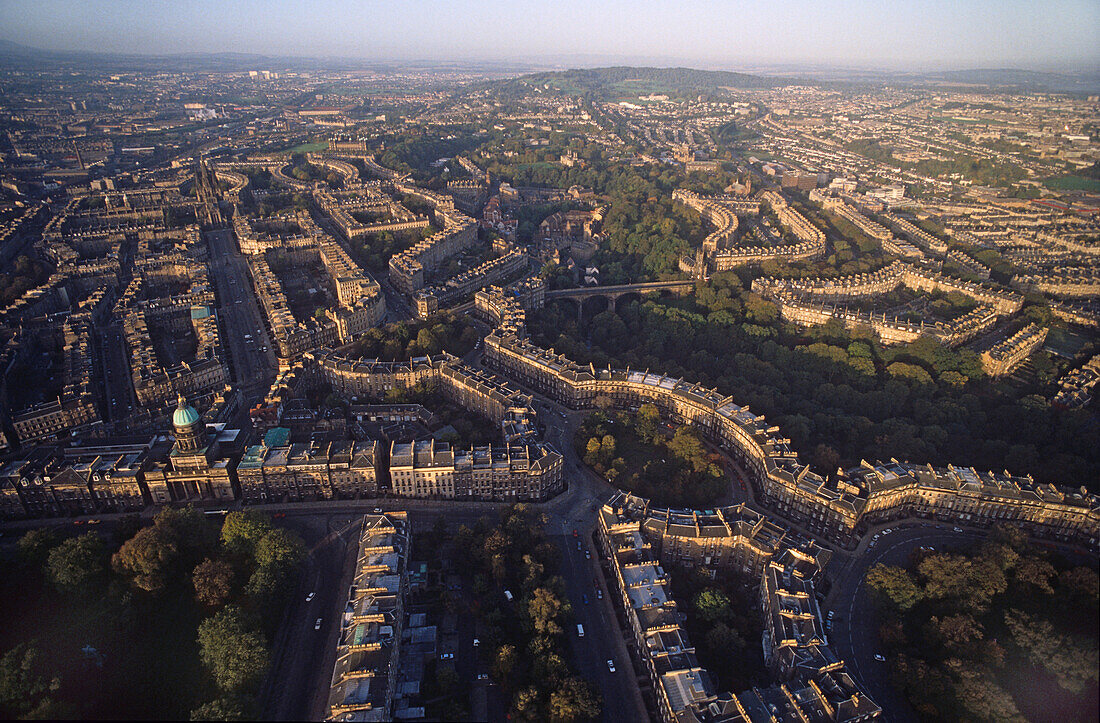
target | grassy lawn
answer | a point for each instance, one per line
(150, 666)
(309, 147)
(672, 470)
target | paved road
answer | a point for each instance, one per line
(118, 387)
(855, 632)
(244, 330)
(603, 638)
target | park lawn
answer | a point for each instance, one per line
(1073, 183)
(654, 471)
(309, 147)
(150, 667)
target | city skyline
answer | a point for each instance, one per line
(889, 36)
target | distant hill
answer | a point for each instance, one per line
(604, 83)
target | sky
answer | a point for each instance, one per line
(735, 34)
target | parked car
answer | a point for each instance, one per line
(880, 658)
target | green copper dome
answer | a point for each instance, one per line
(185, 415)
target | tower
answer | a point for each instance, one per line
(189, 427)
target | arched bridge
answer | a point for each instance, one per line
(613, 293)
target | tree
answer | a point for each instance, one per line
(229, 708)
(146, 558)
(1073, 664)
(573, 699)
(527, 704)
(896, 584)
(213, 581)
(713, 605)
(1035, 572)
(279, 549)
(23, 687)
(241, 531)
(35, 546)
(826, 459)
(233, 650)
(503, 664)
(77, 563)
(191, 533)
(543, 610)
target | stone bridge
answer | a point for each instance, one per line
(613, 293)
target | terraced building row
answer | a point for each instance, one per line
(642, 543)
(838, 509)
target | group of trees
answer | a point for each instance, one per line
(403, 340)
(525, 636)
(24, 274)
(303, 170)
(828, 386)
(633, 453)
(724, 624)
(982, 171)
(468, 429)
(992, 634)
(374, 250)
(164, 601)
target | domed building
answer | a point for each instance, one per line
(189, 427)
(196, 468)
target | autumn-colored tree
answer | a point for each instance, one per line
(213, 581)
(146, 559)
(573, 700)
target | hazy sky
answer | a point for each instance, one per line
(923, 34)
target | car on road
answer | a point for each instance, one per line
(575, 534)
(599, 594)
(611, 665)
(377, 510)
(880, 658)
(446, 656)
(957, 529)
(309, 598)
(927, 548)
(587, 555)
(578, 545)
(584, 597)
(476, 642)
(317, 625)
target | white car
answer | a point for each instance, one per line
(309, 598)
(611, 665)
(880, 658)
(317, 625)
(476, 642)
